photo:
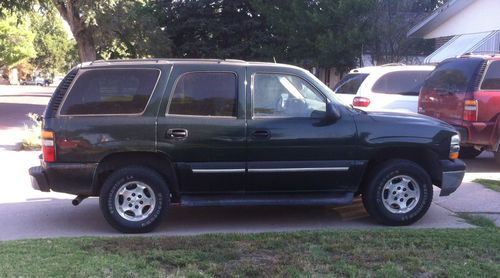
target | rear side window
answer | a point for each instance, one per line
(110, 91)
(350, 83)
(491, 79)
(453, 76)
(406, 83)
(205, 94)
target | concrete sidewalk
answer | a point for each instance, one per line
(473, 198)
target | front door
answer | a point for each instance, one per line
(203, 128)
(289, 146)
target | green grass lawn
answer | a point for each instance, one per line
(382, 252)
(491, 184)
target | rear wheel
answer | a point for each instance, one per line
(469, 152)
(399, 192)
(134, 199)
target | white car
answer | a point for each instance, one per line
(383, 88)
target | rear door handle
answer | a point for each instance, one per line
(261, 134)
(177, 133)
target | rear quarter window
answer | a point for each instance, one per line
(453, 76)
(400, 82)
(110, 91)
(491, 79)
(350, 83)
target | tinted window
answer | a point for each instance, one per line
(285, 96)
(350, 83)
(492, 77)
(111, 91)
(453, 76)
(205, 94)
(400, 82)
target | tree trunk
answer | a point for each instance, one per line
(69, 10)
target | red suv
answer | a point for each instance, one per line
(465, 92)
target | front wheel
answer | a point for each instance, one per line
(134, 199)
(399, 192)
(497, 156)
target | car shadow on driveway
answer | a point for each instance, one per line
(50, 218)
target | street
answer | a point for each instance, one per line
(27, 213)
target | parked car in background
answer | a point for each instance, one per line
(465, 92)
(391, 87)
(37, 81)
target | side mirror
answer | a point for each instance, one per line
(332, 113)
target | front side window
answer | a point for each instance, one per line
(350, 83)
(492, 77)
(281, 95)
(205, 94)
(110, 91)
(406, 83)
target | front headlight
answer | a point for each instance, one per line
(454, 146)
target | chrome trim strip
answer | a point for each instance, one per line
(283, 170)
(217, 171)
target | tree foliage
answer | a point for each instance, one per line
(390, 20)
(216, 29)
(322, 33)
(55, 51)
(16, 40)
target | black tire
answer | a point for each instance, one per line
(469, 152)
(148, 193)
(497, 156)
(378, 200)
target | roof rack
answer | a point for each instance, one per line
(393, 64)
(157, 60)
(480, 53)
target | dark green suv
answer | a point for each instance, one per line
(142, 134)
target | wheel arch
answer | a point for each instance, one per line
(425, 158)
(159, 162)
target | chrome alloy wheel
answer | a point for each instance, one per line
(401, 194)
(135, 201)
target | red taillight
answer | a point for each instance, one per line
(361, 101)
(470, 110)
(48, 146)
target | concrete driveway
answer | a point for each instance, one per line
(26, 213)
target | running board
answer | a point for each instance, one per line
(317, 199)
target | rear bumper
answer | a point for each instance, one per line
(453, 174)
(72, 178)
(38, 179)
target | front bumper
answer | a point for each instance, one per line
(453, 174)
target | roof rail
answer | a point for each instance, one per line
(480, 53)
(393, 64)
(167, 60)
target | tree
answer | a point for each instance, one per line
(16, 40)
(131, 29)
(55, 51)
(313, 32)
(216, 29)
(89, 19)
(390, 20)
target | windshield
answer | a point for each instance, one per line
(326, 90)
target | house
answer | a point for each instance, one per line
(461, 26)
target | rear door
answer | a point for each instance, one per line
(202, 128)
(448, 86)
